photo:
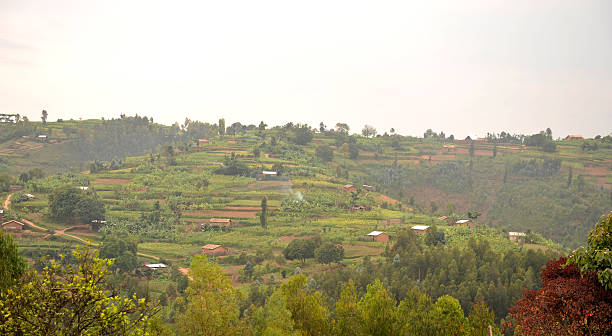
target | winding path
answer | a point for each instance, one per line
(7, 202)
(62, 232)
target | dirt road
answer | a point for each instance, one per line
(62, 232)
(6, 203)
(26, 221)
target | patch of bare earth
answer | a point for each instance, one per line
(222, 213)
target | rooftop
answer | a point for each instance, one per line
(420, 227)
(517, 234)
(210, 246)
(462, 221)
(375, 233)
(156, 265)
(220, 220)
(13, 221)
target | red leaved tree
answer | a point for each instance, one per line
(567, 304)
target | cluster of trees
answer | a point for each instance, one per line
(5, 182)
(324, 153)
(536, 168)
(70, 203)
(160, 223)
(233, 166)
(299, 308)
(122, 250)
(118, 138)
(576, 293)
(22, 127)
(505, 137)
(99, 166)
(67, 298)
(542, 140)
(472, 273)
(76, 296)
(31, 174)
(323, 252)
(430, 134)
(557, 209)
(518, 195)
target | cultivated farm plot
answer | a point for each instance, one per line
(111, 181)
(359, 250)
(221, 214)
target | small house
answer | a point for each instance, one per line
(465, 222)
(96, 224)
(214, 250)
(443, 218)
(202, 142)
(361, 208)
(1, 216)
(30, 196)
(378, 236)
(368, 187)
(12, 225)
(420, 229)
(269, 175)
(349, 188)
(220, 222)
(156, 266)
(84, 188)
(42, 138)
(574, 137)
(449, 147)
(517, 236)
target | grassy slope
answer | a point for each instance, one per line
(139, 185)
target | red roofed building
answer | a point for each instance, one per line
(220, 222)
(12, 225)
(214, 250)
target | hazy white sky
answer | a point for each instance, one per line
(464, 67)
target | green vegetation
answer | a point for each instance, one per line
(70, 300)
(299, 260)
(13, 265)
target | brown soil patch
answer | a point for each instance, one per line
(7, 202)
(478, 152)
(222, 213)
(391, 221)
(250, 208)
(234, 273)
(596, 171)
(111, 181)
(385, 198)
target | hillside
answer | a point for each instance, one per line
(331, 189)
(70, 145)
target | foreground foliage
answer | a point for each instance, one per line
(567, 304)
(71, 299)
(598, 256)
